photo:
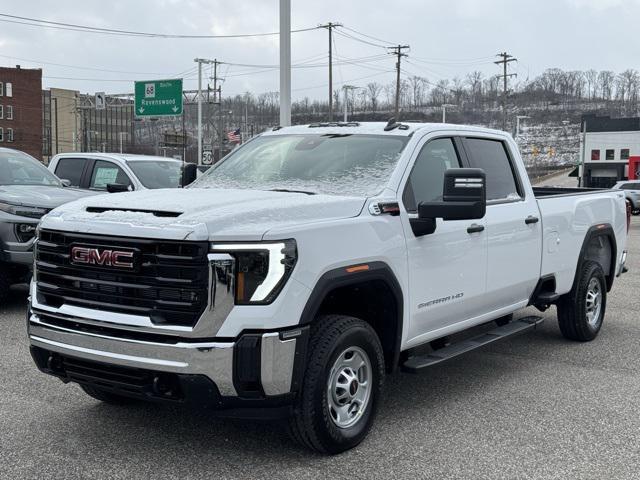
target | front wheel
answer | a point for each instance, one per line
(581, 311)
(339, 396)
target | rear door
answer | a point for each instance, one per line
(447, 267)
(72, 169)
(514, 227)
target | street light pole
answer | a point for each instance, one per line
(346, 89)
(285, 63)
(199, 161)
(518, 118)
(444, 111)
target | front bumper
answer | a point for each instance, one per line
(256, 367)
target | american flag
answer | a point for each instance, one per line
(234, 136)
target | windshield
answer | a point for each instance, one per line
(334, 164)
(157, 173)
(17, 168)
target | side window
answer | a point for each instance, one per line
(427, 176)
(105, 173)
(631, 186)
(491, 156)
(70, 169)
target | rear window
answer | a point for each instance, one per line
(491, 156)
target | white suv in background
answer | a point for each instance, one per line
(631, 192)
(116, 172)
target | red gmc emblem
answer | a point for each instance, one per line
(102, 257)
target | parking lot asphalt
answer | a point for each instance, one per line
(535, 406)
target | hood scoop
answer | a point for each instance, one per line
(155, 213)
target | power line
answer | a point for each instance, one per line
(40, 62)
(368, 36)
(35, 22)
(347, 35)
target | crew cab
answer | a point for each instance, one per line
(117, 172)
(311, 262)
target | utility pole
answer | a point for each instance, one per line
(285, 63)
(200, 62)
(330, 26)
(506, 59)
(397, 51)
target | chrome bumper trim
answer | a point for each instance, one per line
(276, 364)
(212, 359)
(215, 360)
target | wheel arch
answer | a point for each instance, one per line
(344, 290)
(600, 246)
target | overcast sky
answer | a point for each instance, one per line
(447, 38)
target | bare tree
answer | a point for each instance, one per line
(417, 87)
(591, 77)
(374, 89)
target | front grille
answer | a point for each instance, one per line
(170, 286)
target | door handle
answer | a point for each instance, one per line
(531, 219)
(475, 228)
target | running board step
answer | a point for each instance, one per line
(547, 297)
(417, 363)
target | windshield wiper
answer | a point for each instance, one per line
(286, 190)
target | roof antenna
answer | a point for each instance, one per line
(391, 124)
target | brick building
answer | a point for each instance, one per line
(21, 109)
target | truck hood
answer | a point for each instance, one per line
(39, 195)
(199, 214)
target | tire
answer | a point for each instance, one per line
(328, 418)
(107, 397)
(581, 311)
(5, 283)
(504, 320)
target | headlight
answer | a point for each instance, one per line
(261, 269)
(23, 211)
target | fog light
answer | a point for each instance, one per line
(25, 231)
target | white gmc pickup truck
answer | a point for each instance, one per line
(311, 262)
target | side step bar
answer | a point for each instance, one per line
(417, 363)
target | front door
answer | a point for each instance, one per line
(446, 268)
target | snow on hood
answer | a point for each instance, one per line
(43, 196)
(199, 214)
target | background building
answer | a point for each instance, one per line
(606, 147)
(21, 116)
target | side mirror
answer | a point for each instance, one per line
(189, 173)
(65, 182)
(117, 187)
(464, 198)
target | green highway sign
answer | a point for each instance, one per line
(157, 98)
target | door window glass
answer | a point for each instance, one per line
(491, 156)
(71, 169)
(105, 173)
(427, 176)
